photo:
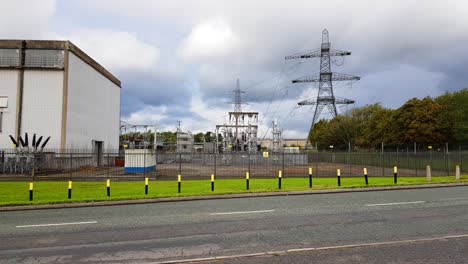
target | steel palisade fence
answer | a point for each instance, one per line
(86, 165)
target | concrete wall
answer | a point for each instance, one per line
(93, 107)
(42, 105)
(8, 87)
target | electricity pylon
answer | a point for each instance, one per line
(325, 79)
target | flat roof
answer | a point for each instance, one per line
(60, 45)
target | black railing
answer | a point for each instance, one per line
(88, 165)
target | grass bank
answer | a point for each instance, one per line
(17, 193)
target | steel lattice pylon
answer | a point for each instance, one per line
(325, 78)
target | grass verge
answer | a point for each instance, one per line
(47, 192)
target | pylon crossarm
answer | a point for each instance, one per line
(326, 100)
(305, 55)
(326, 76)
(317, 54)
(343, 101)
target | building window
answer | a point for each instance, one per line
(9, 58)
(43, 58)
(1, 121)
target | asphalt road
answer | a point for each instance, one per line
(200, 229)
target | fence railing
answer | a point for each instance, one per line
(89, 165)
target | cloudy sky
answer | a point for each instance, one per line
(179, 60)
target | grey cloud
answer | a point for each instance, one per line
(400, 49)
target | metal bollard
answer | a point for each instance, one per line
(338, 176)
(179, 183)
(146, 185)
(69, 189)
(108, 187)
(212, 182)
(280, 174)
(310, 177)
(365, 176)
(31, 191)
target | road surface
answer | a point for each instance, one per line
(401, 226)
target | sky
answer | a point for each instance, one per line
(179, 60)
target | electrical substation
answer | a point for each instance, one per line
(240, 133)
(54, 89)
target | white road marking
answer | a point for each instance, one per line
(454, 199)
(58, 224)
(385, 204)
(282, 252)
(244, 212)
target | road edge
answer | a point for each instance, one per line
(221, 196)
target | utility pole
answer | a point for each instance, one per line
(325, 78)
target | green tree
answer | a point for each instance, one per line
(199, 137)
(419, 121)
(455, 115)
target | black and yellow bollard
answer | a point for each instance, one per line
(69, 189)
(108, 187)
(212, 182)
(31, 191)
(310, 177)
(179, 183)
(395, 175)
(338, 176)
(31, 184)
(365, 176)
(280, 175)
(146, 185)
(247, 178)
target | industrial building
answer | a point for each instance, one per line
(52, 88)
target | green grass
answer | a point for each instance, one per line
(17, 193)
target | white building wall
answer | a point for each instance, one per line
(9, 88)
(42, 105)
(93, 107)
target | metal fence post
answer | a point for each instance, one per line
(108, 168)
(416, 163)
(144, 163)
(460, 161)
(316, 165)
(448, 161)
(31, 184)
(70, 177)
(407, 159)
(249, 162)
(283, 164)
(349, 158)
(382, 160)
(180, 163)
(215, 165)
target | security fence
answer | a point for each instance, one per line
(129, 165)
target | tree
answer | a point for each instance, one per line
(424, 121)
(455, 115)
(420, 121)
(208, 136)
(199, 137)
